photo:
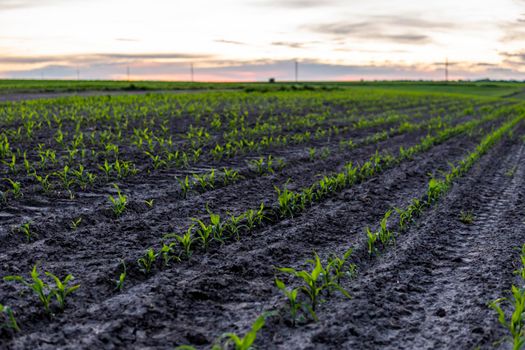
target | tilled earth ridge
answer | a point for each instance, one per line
(222, 289)
(431, 291)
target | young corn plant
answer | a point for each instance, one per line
(185, 240)
(385, 235)
(61, 289)
(25, 229)
(313, 282)
(8, 318)
(44, 291)
(147, 262)
(230, 176)
(167, 252)
(255, 218)
(311, 153)
(107, 168)
(44, 182)
(245, 342)
(121, 277)
(521, 270)
(118, 203)
(435, 189)
(515, 322)
(408, 215)
(289, 202)
(230, 340)
(16, 188)
(466, 217)
(75, 223)
(185, 186)
(372, 239)
(291, 296)
(213, 231)
(338, 267)
(233, 226)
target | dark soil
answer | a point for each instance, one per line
(429, 291)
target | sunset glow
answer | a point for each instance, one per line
(236, 40)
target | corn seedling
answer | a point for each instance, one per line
(289, 202)
(230, 176)
(147, 261)
(266, 165)
(372, 238)
(206, 181)
(385, 235)
(311, 153)
(118, 203)
(245, 342)
(466, 217)
(515, 323)
(185, 241)
(122, 277)
(255, 217)
(107, 168)
(44, 182)
(337, 267)
(9, 320)
(167, 254)
(26, 230)
(12, 164)
(16, 188)
(511, 171)
(291, 296)
(61, 289)
(75, 223)
(313, 283)
(435, 189)
(185, 186)
(233, 226)
(149, 203)
(45, 292)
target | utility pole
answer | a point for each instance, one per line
(446, 69)
(127, 70)
(191, 72)
(78, 73)
(296, 71)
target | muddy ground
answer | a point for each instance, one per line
(428, 291)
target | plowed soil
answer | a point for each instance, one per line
(429, 291)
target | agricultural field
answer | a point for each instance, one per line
(348, 216)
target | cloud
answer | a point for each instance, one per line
(292, 45)
(296, 4)
(398, 29)
(100, 58)
(18, 4)
(127, 39)
(232, 42)
(513, 30)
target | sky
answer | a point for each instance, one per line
(254, 40)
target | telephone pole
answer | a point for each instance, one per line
(127, 71)
(296, 71)
(78, 73)
(191, 72)
(446, 69)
